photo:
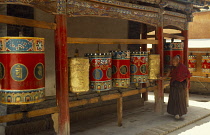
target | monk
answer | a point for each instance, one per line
(180, 76)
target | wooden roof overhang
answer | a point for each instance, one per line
(178, 17)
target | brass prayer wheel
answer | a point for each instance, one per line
(154, 66)
(79, 74)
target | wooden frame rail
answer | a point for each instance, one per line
(173, 36)
(72, 40)
(169, 36)
(51, 110)
(26, 22)
(199, 79)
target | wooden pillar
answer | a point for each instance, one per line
(61, 67)
(159, 93)
(119, 110)
(185, 34)
(133, 33)
(144, 48)
(143, 36)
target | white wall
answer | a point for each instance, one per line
(86, 27)
(199, 43)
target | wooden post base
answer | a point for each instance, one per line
(145, 94)
(159, 98)
(119, 111)
(187, 97)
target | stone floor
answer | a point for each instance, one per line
(142, 120)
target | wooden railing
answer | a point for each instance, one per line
(51, 110)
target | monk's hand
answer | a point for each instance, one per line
(161, 77)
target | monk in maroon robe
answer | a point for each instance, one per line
(180, 76)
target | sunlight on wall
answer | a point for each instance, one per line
(192, 43)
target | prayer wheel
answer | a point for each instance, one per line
(22, 70)
(192, 63)
(79, 74)
(206, 64)
(121, 68)
(171, 50)
(100, 71)
(154, 66)
(139, 67)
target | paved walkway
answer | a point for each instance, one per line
(200, 127)
(143, 120)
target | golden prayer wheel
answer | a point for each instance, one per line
(79, 74)
(154, 66)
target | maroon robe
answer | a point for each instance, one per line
(178, 85)
(180, 73)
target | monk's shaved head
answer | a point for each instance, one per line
(175, 60)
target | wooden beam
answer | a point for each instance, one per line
(119, 111)
(51, 110)
(40, 112)
(133, 92)
(72, 40)
(113, 96)
(11, 117)
(150, 36)
(83, 102)
(26, 22)
(199, 79)
(173, 36)
(152, 88)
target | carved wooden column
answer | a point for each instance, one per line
(185, 34)
(159, 93)
(61, 60)
(144, 48)
(185, 50)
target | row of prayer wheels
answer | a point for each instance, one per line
(113, 69)
(205, 63)
(176, 49)
(22, 69)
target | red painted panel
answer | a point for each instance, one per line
(121, 68)
(30, 61)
